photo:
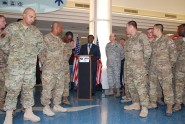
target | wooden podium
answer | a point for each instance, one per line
(84, 77)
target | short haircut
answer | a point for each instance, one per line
(90, 36)
(27, 9)
(149, 29)
(182, 25)
(2, 16)
(122, 39)
(183, 30)
(133, 23)
(18, 20)
(159, 26)
(69, 33)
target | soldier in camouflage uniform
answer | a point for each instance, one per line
(67, 54)
(151, 39)
(180, 69)
(114, 53)
(3, 61)
(52, 70)
(137, 54)
(23, 43)
(162, 60)
(127, 97)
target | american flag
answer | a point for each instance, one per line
(99, 68)
(77, 48)
(75, 63)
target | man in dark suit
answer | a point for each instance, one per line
(91, 49)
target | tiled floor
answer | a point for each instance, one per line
(107, 110)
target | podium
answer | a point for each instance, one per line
(84, 77)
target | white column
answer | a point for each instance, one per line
(100, 26)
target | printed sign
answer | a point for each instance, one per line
(84, 58)
(40, 6)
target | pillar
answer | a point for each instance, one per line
(100, 25)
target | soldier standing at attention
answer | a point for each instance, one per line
(23, 42)
(67, 54)
(114, 53)
(3, 64)
(162, 60)
(52, 61)
(180, 69)
(137, 54)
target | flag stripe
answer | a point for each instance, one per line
(75, 63)
(99, 72)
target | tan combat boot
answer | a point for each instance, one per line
(65, 100)
(152, 105)
(169, 110)
(58, 108)
(134, 106)
(144, 112)
(29, 115)
(8, 118)
(177, 107)
(47, 111)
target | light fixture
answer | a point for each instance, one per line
(83, 37)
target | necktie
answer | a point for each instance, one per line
(89, 47)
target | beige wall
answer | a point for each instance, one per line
(165, 6)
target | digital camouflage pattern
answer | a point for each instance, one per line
(180, 73)
(67, 54)
(114, 53)
(23, 45)
(3, 65)
(137, 54)
(52, 70)
(163, 58)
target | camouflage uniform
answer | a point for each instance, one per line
(114, 53)
(159, 88)
(67, 55)
(179, 46)
(180, 73)
(162, 59)
(23, 44)
(127, 93)
(3, 65)
(52, 72)
(137, 54)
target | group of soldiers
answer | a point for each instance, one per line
(153, 68)
(20, 44)
(149, 66)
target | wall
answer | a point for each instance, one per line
(168, 6)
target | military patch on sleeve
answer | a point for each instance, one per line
(3, 34)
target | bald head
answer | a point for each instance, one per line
(29, 16)
(56, 28)
(112, 37)
(28, 10)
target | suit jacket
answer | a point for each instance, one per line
(95, 51)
